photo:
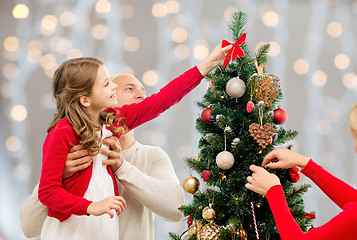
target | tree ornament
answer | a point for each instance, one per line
(250, 106)
(191, 184)
(280, 116)
(208, 213)
(242, 233)
(192, 230)
(206, 114)
(235, 88)
(206, 175)
(225, 160)
(261, 134)
(209, 231)
(294, 174)
(235, 51)
(255, 221)
(197, 157)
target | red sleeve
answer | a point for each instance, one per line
(337, 190)
(51, 193)
(343, 226)
(151, 107)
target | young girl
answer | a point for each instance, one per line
(82, 89)
(342, 226)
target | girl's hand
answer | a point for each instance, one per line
(115, 157)
(261, 180)
(212, 61)
(284, 158)
(106, 205)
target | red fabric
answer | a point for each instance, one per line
(343, 226)
(235, 51)
(65, 197)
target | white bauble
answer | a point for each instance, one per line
(235, 88)
(225, 160)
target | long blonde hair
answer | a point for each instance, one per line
(353, 117)
(73, 79)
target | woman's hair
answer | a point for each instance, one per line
(353, 117)
(73, 79)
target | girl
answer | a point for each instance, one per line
(342, 226)
(82, 89)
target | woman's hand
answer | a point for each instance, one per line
(284, 158)
(261, 180)
(106, 205)
(115, 157)
(212, 61)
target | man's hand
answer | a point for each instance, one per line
(115, 158)
(77, 159)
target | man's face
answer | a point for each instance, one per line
(129, 90)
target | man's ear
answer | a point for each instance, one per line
(84, 101)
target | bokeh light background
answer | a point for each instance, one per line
(313, 51)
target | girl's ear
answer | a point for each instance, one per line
(84, 101)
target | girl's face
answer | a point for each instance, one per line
(103, 93)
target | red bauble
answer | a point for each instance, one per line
(205, 115)
(250, 106)
(206, 175)
(294, 174)
(280, 116)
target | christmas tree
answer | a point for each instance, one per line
(240, 123)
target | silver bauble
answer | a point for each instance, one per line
(235, 88)
(225, 160)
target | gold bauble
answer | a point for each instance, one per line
(191, 184)
(208, 213)
(192, 230)
(210, 231)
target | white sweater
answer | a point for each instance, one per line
(149, 185)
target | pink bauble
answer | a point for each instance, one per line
(280, 116)
(205, 115)
(206, 175)
(225, 160)
(250, 106)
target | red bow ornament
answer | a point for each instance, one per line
(235, 51)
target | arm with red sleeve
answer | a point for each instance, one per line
(342, 226)
(51, 192)
(138, 113)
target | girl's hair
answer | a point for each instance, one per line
(353, 117)
(73, 79)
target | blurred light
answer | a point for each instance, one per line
(34, 51)
(172, 6)
(301, 67)
(127, 11)
(228, 13)
(47, 101)
(67, 19)
(182, 51)
(11, 44)
(54, 42)
(102, 6)
(274, 49)
(323, 127)
(131, 44)
(13, 144)
(34, 44)
(258, 46)
(332, 2)
(74, 53)
(201, 51)
(20, 11)
(10, 56)
(350, 80)
(22, 171)
(158, 139)
(159, 10)
(5, 90)
(51, 71)
(179, 34)
(150, 78)
(19, 113)
(48, 61)
(183, 152)
(333, 115)
(64, 46)
(127, 70)
(48, 25)
(342, 61)
(83, 23)
(334, 29)
(99, 31)
(328, 159)
(10, 70)
(319, 78)
(270, 18)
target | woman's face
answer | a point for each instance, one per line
(103, 93)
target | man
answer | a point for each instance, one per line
(146, 178)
